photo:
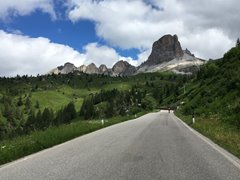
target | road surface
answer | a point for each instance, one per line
(155, 146)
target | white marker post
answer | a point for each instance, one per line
(193, 119)
(102, 122)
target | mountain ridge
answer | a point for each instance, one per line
(166, 55)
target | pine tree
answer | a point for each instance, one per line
(59, 118)
(27, 103)
(87, 109)
(51, 117)
(31, 121)
(38, 120)
(2, 127)
(238, 43)
(8, 110)
(37, 105)
(20, 103)
(46, 118)
(110, 109)
(70, 112)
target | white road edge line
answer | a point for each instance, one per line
(230, 157)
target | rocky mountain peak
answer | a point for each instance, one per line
(65, 69)
(166, 55)
(103, 69)
(123, 68)
(82, 68)
(165, 49)
(92, 69)
(68, 64)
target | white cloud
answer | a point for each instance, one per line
(118, 22)
(136, 24)
(100, 54)
(11, 8)
(14, 31)
(24, 55)
(21, 55)
(212, 43)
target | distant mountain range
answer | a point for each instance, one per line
(166, 55)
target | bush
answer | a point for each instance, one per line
(135, 110)
(236, 112)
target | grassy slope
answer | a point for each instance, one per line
(56, 99)
(221, 133)
(214, 97)
(60, 97)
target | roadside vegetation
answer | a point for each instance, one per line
(15, 148)
(213, 96)
(223, 134)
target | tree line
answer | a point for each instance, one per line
(21, 118)
(114, 102)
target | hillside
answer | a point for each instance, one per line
(216, 89)
(213, 91)
(36, 103)
(213, 96)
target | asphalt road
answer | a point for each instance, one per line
(155, 146)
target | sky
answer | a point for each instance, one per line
(39, 35)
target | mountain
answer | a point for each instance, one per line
(123, 68)
(65, 69)
(165, 49)
(92, 69)
(166, 55)
(103, 69)
(82, 68)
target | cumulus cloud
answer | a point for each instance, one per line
(24, 55)
(101, 54)
(117, 21)
(21, 55)
(211, 43)
(11, 8)
(137, 23)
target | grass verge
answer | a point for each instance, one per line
(16, 148)
(218, 131)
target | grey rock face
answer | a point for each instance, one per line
(123, 68)
(165, 49)
(92, 69)
(188, 52)
(167, 55)
(82, 68)
(65, 69)
(103, 69)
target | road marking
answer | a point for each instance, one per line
(230, 157)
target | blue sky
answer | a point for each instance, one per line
(38, 35)
(62, 31)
